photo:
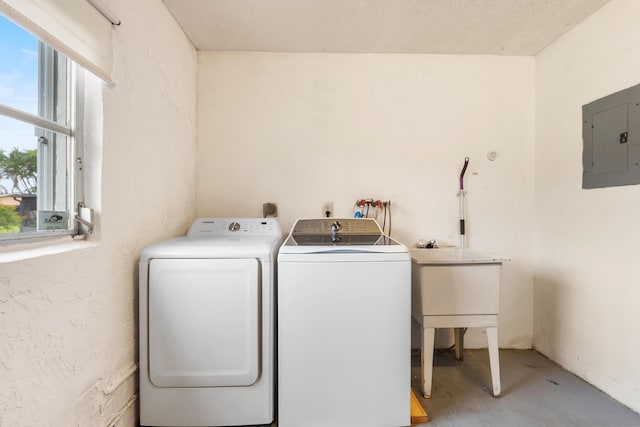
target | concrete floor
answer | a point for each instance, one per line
(535, 392)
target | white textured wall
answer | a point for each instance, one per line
(68, 321)
(586, 241)
(303, 129)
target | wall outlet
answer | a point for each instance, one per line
(327, 209)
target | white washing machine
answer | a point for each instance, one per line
(207, 325)
(344, 326)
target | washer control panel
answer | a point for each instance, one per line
(220, 227)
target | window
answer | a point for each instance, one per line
(40, 149)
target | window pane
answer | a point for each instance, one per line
(36, 170)
(18, 172)
(34, 179)
(18, 67)
(38, 90)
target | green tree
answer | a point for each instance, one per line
(9, 220)
(21, 168)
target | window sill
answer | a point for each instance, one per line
(25, 251)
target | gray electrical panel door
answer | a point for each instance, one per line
(611, 138)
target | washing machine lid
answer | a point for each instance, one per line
(333, 235)
(222, 238)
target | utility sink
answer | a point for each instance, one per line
(455, 288)
(454, 281)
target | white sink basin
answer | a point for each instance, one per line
(454, 281)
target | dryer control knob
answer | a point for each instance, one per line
(234, 226)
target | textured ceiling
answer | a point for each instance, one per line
(502, 27)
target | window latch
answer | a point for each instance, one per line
(84, 217)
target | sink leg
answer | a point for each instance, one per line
(494, 359)
(428, 336)
(458, 334)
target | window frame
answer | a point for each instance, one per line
(72, 131)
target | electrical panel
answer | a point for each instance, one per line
(611, 140)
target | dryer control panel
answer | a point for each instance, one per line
(220, 227)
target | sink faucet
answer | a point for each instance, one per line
(335, 229)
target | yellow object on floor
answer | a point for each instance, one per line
(418, 414)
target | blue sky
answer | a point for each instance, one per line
(18, 84)
(18, 67)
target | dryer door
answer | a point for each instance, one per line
(203, 322)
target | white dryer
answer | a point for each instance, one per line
(344, 326)
(207, 325)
